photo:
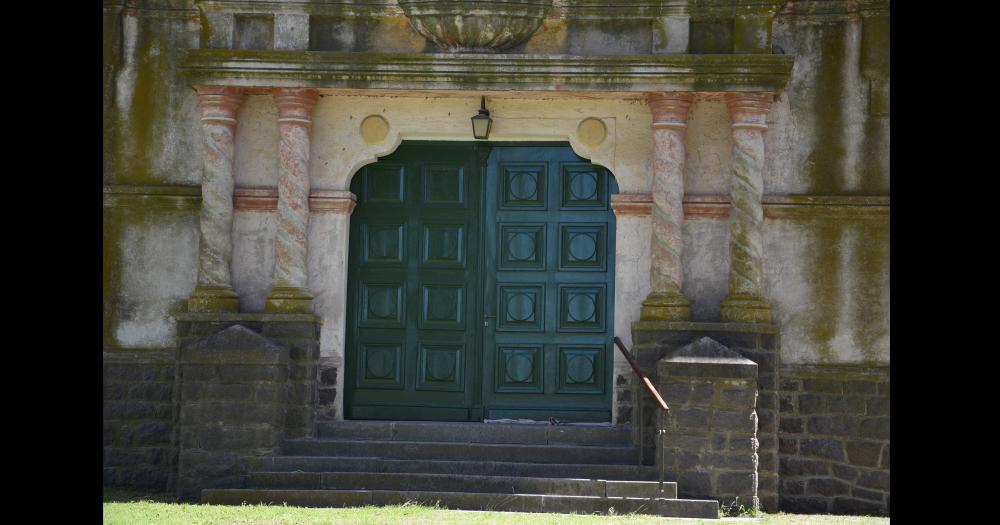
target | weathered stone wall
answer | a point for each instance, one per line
(138, 419)
(833, 439)
(757, 343)
(711, 443)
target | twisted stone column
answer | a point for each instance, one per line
(290, 292)
(214, 291)
(746, 303)
(665, 300)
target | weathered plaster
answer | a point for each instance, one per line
(709, 148)
(253, 257)
(155, 107)
(158, 261)
(706, 263)
(339, 150)
(828, 283)
(256, 162)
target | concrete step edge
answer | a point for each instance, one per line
(530, 484)
(704, 509)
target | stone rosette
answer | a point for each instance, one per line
(476, 26)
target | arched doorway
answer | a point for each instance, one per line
(481, 285)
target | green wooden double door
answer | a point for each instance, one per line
(480, 285)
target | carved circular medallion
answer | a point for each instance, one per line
(374, 129)
(520, 307)
(582, 309)
(519, 368)
(592, 132)
(521, 247)
(580, 368)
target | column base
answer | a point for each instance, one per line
(289, 299)
(665, 307)
(213, 298)
(745, 310)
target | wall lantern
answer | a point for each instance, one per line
(482, 122)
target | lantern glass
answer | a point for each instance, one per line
(481, 124)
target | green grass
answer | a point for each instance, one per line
(135, 508)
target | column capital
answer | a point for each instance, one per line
(219, 104)
(295, 105)
(749, 110)
(670, 108)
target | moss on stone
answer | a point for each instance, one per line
(822, 323)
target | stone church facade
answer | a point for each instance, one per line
(302, 234)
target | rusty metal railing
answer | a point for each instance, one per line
(638, 416)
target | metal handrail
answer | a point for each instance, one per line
(638, 415)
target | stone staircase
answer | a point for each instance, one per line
(473, 466)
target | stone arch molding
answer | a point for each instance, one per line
(505, 129)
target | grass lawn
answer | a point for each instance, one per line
(133, 508)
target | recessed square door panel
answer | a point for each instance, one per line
(583, 247)
(583, 186)
(521, 308)
(442, 307)
(522, 247)
(383, 243)
(444, 185)
(519, 368)
(384, 184)
(581, 369)
(581, 308)
(382, 305)
(380, 366)
(443, 245)
(522, 185)
(440, 367)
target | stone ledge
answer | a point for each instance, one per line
(250, 317)
(439, 71)
(696, 326)
(561, 9)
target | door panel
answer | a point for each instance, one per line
(480, 286)
(548, 272)
(412, 351)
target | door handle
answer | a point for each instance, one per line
(486, 318)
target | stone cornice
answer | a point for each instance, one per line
(320, 201)
(565, 9)
(793, 207)
(161, 197)
(633, 204)
(437, 71)
(834, 9)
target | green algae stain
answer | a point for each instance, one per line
(141, 130)
(823, 167)
(870, 264)
(825, 265)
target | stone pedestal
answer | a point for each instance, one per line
(756, 342)
(710, 445)
(244, 383)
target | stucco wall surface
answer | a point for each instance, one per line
(827, 277)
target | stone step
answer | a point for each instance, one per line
(704, 509)
(459, 483)
(485, 468)
(462, 451)
(508, 433)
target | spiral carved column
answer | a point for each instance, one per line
(746, 303)
(290, 292)
(665, 300)
(214, 291)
